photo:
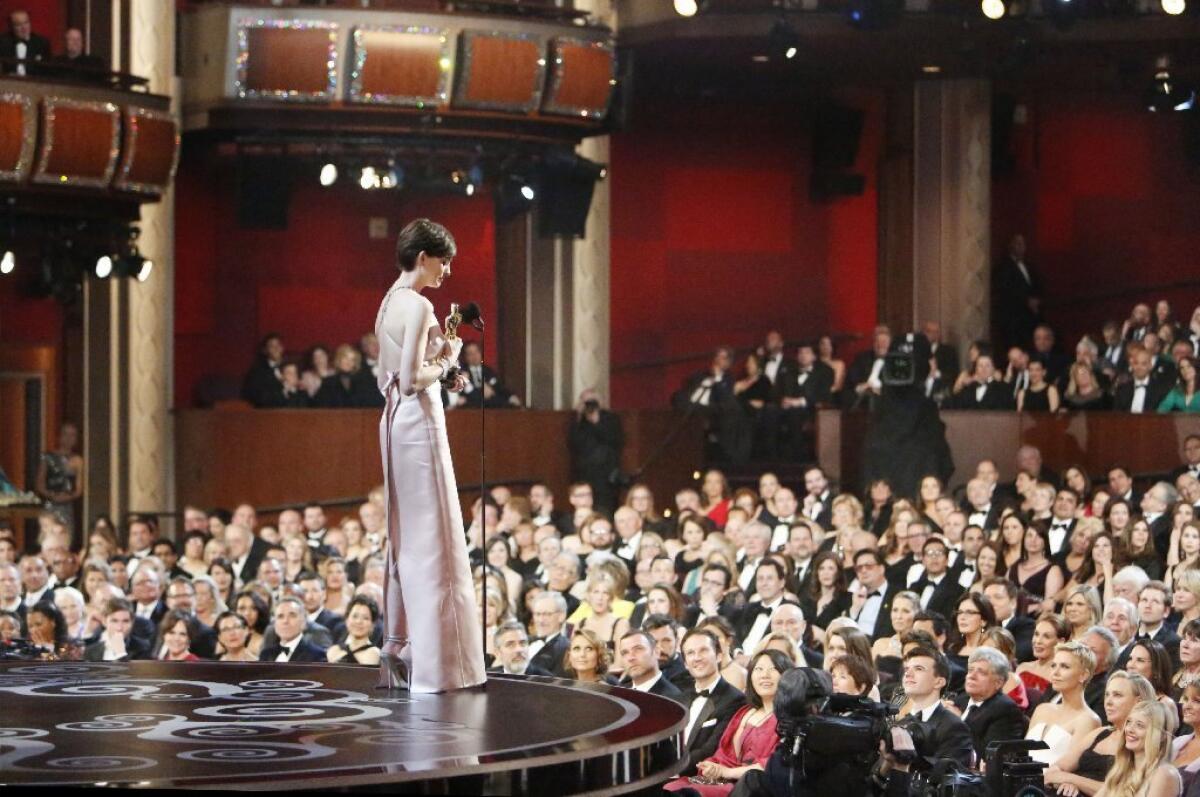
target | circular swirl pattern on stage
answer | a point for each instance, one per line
(210, 724)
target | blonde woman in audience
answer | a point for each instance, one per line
(74, 611)
(209, 603)
(338, 588)
(1142, 767)
(1185, 750)
(1082, 609)
(905, 606)
(601, 620)
(1184, 553)
(1185, 600)
(784, 644)
(215, 549)
(1056, 723)
(651, 546)
(299, 557)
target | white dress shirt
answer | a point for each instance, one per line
(648, 685)
(1140, 388)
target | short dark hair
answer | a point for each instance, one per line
(719, 568)
(171, 618)
(941, 669)
(164, 541)
(1000, 581)
(779, 660)
(871, 552)
(704, 632)
(940, 625)
(368, 603)
(308, 575)
(918, 637)
(423, 235)
(857, 668)
(644, 634)
(653, 622)
(771, 563)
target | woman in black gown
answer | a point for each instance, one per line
(1039, 396)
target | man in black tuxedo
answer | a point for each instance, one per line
(818, 497)
(981, 506)
(1154, 604)
(871, 605)
(483, 383)
(991, 715)
(637, 652)
(548, 649)
(775, 364)
(146, 590)
(801, 390)
(290, 644)
(22, 44)
(983, 391)
(711, 702)
(789, 620)
(863, 381)
(1003, 595)
(1120, 485)
(665, 632)
(73, 55)
(512, 651)
(754, 622)
(10, 593)
(1191, 458)
(117, 641)
(246, 551)
(938, 590)
(1016, 297)
(561, 575)
(1062, 519)
(314, 605)
(925, 678)
(1156, 505)
(945, 355)
(937, 627)
(1142, 392)
(1047, 353)
(263, 383)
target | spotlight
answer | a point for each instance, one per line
(993, 9)
(686, 8)
(368, 178)
(1165, 93)
(527, 192)
(1174, 7)
(514, 196)
(470, 189)
(104, 266)
(143, 273)
(8, 262)
(784, 40)
(329, 174)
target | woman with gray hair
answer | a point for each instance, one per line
(73, 607)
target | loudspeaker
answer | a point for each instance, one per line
(836, 134)
(264, 191)
(566, 185)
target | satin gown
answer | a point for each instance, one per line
(429, 596)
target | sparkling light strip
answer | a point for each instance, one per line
(243, 59)
(556, 76)
(464, 73)
(28, 136)
(356, 93)
(49, 106)
(133, 114)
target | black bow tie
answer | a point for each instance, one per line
(1060, 524)
(875, 594)
(705, 693)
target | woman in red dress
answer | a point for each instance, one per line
(750, 737)
(1049, 631)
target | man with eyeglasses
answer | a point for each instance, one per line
(547, 649)
(561, 576)
(714, 586)
(938, 590)
(871, 604)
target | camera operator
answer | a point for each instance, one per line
(945, 736)
(596, 440)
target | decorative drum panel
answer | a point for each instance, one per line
(287, 59)
(500, 71)
(149, 153)
(399, 65)
(79, 142)
(582, 75)
(18, 131)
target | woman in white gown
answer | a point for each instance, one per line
(1055, 723)
(433, 641)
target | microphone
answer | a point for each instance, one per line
(471, 315)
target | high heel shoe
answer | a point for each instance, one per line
(393, 672)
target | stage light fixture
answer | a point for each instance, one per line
(470, 189)
(528, 192)
(329, 174)
(368, 178)
(686, 8)
(514, 196)
(784, 40)
(993, 9)
(8, 263)
(1174, 7)
(104, 267)
(143, 273)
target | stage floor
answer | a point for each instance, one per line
(298, 726)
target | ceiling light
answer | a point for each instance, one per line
(686, 8)
(143, 273)
(931, 69)
(760, 59)
(8, 262)
(104, 266)
(1174, 7)
(790, 53)
(368, 178)
(527, 192)
(993, 9)
(329, 174)
(470, 189)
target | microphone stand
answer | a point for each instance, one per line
(483, 491)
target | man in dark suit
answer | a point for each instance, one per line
(871, 605)
(512, 651)
(1154, 604)
(637, 652)
(1016, 297)
(1120, 485)
(1003, 595)
(10, 593)
(817, 505)
(938, 590)
(483, 383)
(290, 644)
(116, 641)
(1047, 353)
(991, 715)
(665, 632)
(754, 621)
(983, 391)
(88, 66)
(1103, 644)
(1191, 458)
(146, 590)
(800, 391)
(925, 677)
(1156, 511)
(863, 376)
(22, 44)
(981, 506)
(709, 394)
(1142, 392)
(711, 702)
(314, 604)
(1062, 519)
(945, 355)
(246, 551)
(549, 649)
(263, 383)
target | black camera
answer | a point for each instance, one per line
(1012, 771)
(900, 363)
(946, 778)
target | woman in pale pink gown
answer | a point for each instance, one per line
(433, 641)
